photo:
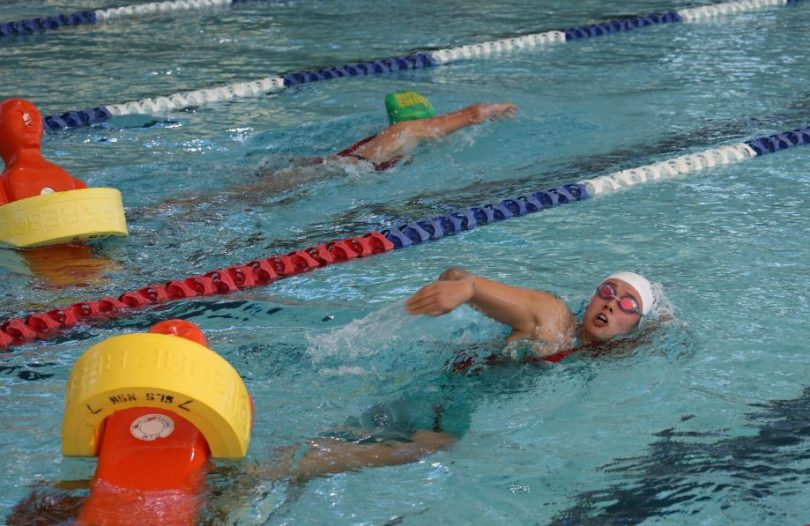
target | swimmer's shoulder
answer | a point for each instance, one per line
(554, 319)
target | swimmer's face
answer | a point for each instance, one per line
(604, 319)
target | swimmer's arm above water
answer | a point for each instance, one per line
(401, 137)
(439, 126)
(530, 313)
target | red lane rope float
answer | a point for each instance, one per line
(41, 326)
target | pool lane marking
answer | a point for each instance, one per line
(677, 166)
(159, 8)
(420, 60)
(41, 326)
(50, 23)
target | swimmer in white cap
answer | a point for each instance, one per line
(617, 307)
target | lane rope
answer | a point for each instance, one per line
(50, 23)
(41, 326)
(419, 60)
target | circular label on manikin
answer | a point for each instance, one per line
(151, 427)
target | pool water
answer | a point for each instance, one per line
(701, 421)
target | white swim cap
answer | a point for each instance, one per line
(641, 285)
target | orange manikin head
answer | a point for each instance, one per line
(27, 173)
(20, 128)
(182, 328)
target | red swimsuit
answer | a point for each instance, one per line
(379, 167)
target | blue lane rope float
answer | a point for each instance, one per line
(40, 24)
(374, 67)
(780, 141)
(261, 272)
(417, 232)
(420, 60)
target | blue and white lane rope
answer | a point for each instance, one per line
(417, 232)
(40, 24)
(179, 101)
(160, 8)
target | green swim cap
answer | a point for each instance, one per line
(407, 106)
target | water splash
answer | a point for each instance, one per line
(386, 329)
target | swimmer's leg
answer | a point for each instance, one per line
(255, 192)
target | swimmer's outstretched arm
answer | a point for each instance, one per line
(532, 314)
(401, 137)
(442, 125)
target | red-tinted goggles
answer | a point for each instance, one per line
(627, 303)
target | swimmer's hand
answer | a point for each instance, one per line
(454, 273)
(489, 112)
(441, 296)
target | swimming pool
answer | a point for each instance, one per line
(705, 423)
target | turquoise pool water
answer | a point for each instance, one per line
(703, 422)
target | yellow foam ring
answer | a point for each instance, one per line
(156, 370)
(62, 217)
